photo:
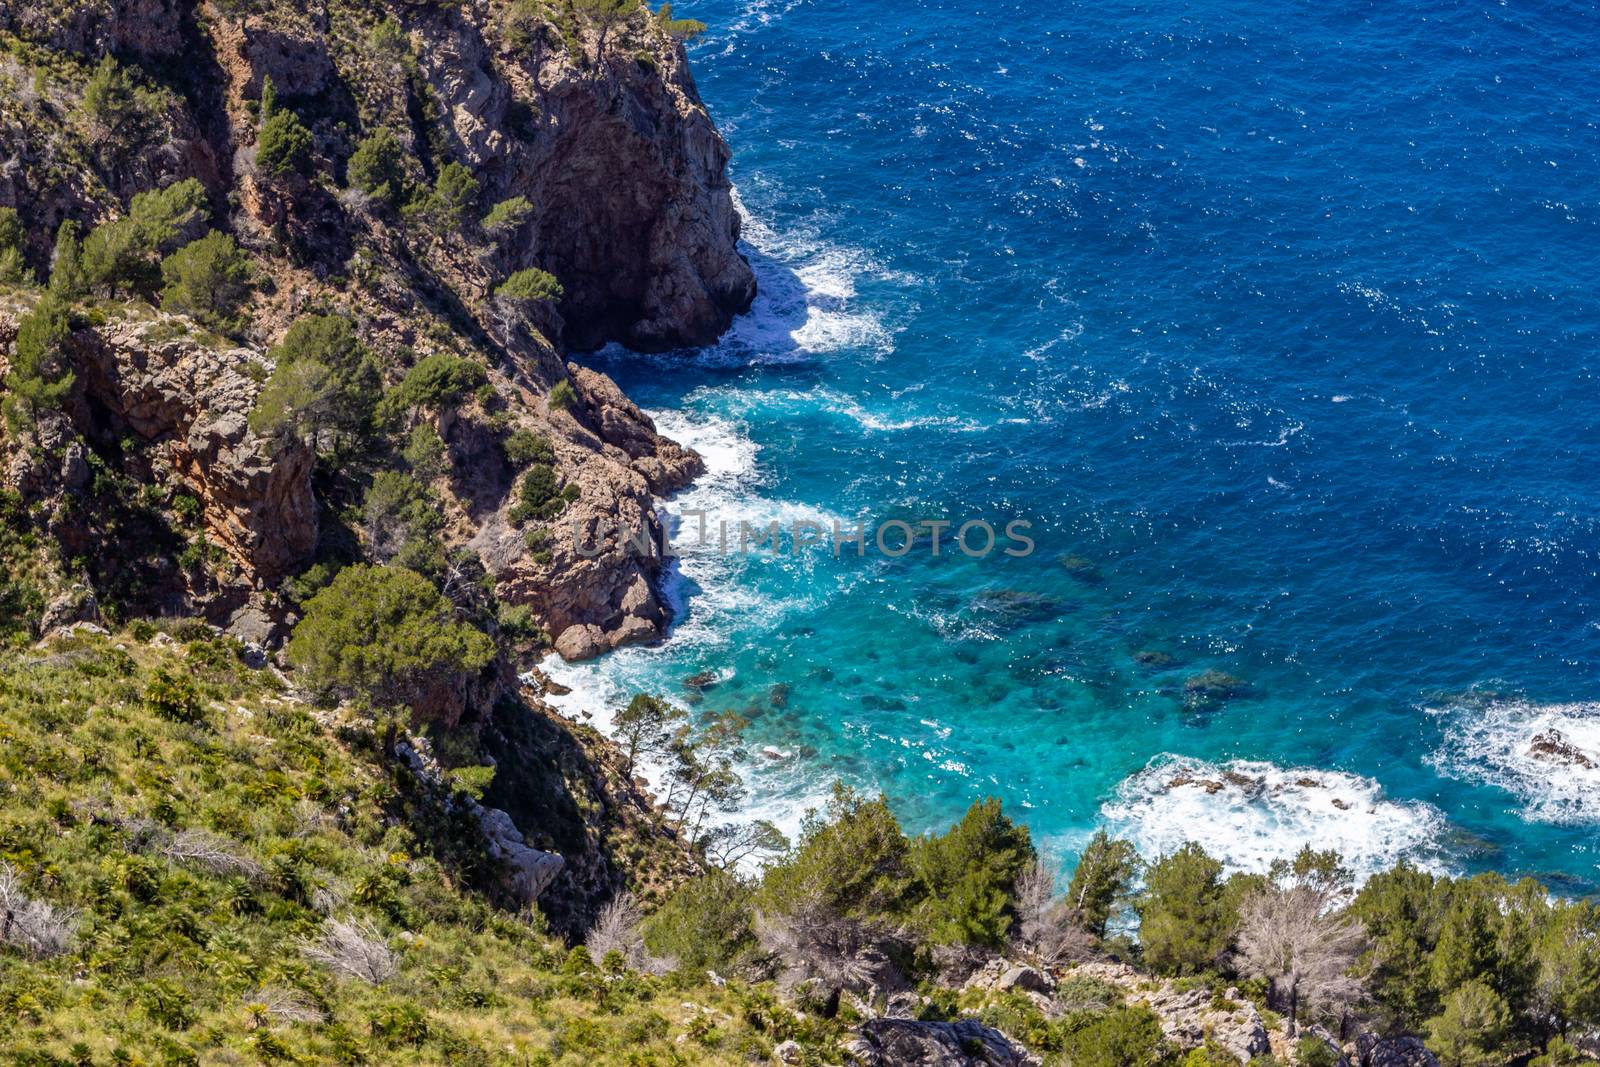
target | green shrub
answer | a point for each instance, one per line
(401, 522)
(68, 275)
(1102, 881)
(525, 447)
(426, 453)
(1314, 1052)
(39, 378)
(453, 197)
(507, 215)
(13, 267)
(122, 253)
(541, 495)
(530, 284)
(438, 381)
(853, 859)
(562, 396)
(705, 925)
(207, 280)
(682, 29)
(283, 143)
(385, 634)
(1121, 1037)
(968, 877)
(1185, 918)
(173, 696)
(115, 108)
(325, 386)
(378, 167)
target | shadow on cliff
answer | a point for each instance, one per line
(764, 335)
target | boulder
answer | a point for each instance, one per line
(1188, 1017)
(1407, 1051)
(912, 1043)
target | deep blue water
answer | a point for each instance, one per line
(1282, 317)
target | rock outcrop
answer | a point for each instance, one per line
(1375, 1051)
(621, 180)
(173, 412)
(191, 404)
(912, 1043)
(1189, 1016)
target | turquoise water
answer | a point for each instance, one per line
(1283, 320)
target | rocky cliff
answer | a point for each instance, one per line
(588, 155)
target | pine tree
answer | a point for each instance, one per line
(646, 726)
(39, 379)
(1185, 922)
(1471, 1030)
(283, 143)
(1101, 881)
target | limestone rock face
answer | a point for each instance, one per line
(911, 1043)
(598, 589)
(652, 262)
(1375, 1051)
(193, 405)
(1188, 1017)
(627, 204)
(531, 871)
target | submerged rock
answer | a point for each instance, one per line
(1213, 686)
(1017, 607)
(1082, 568)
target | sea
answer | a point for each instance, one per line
(1279, 325)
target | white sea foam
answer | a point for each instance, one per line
(1249, 813)
(1493, 740)
(835, 403)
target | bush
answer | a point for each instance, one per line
(541, 495)
(173, 696)
(13, 267)
(507, 215)
(525, 447)
(116, 109)
(68, 274)
(705, 924)
(378, 167)
(401, 522)
(452, 199)
(530, 284)
(39, 379)
(1102, 881)
(385, 634)
(121, 254)
(682, 29)
(283, 143)
(436, 382)
(853, 860)
(425, 453)
(325, 386)
(206, 279)
(1314, 1052)
(563, 397)
(1122, 1037)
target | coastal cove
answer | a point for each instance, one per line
(1207, 318)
